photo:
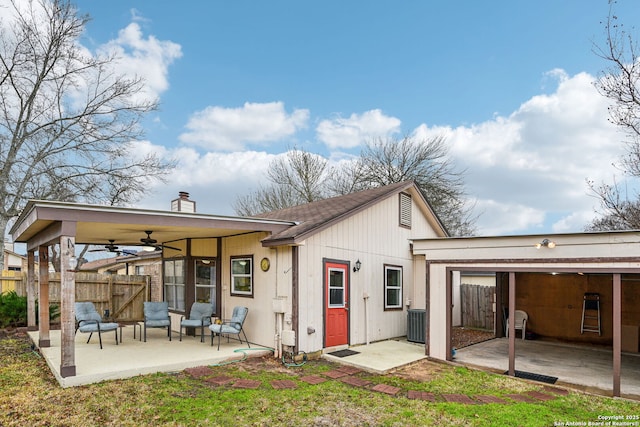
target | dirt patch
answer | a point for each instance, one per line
(464, 337)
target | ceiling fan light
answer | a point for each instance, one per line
(148, 248)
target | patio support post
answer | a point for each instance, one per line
(512, 323)
(617, 327)
(31, 292)
(43, 307)
(67, 305)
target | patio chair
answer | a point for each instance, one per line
(199, 317)
(232, 326)
(156, 315)
(88, 320)
(521, 318)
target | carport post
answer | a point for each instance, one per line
(617, 340)
(512, 323)
(67, 306)
(31, 291)
(43, 307)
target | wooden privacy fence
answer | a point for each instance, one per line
(9, 280)
(121, 295)
(477, 306)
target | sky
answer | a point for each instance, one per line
(509, 84)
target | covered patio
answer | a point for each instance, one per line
(133, 357)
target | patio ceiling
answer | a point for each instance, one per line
(42, 222)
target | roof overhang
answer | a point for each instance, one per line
(43, 222)
(576, 246)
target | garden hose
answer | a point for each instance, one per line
(293, 363)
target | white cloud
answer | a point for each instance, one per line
(537, 160)
(148, 57)
(353, 131)
(228, 129)
(213, 180)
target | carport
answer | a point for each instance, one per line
(547, 276)
(44, 223)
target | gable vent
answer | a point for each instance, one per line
(405, 210)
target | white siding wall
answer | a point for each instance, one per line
(374, 237)
(260, 325)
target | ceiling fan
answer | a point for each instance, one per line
(151, 244)
(111, 247)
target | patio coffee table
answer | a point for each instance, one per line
(135, 325)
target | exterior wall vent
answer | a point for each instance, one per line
(405, 210)
(416, 325)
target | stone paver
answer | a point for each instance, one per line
(250, 384)
(540, 396)
(355, 381)
(387, 389)
(283, 384)
(458, 398)
(313, 379)
(421, 395)
(219, 380)
(521, 398)
(351, 370)
(335, 374)
(487, 398)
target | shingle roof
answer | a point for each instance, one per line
(315, 216)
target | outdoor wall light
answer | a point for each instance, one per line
(546, 243)
(357, 266)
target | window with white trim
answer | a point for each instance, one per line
(392, 287)
(242, 276)
(174, 283)
(405, 210)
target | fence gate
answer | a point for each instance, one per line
(477, 306)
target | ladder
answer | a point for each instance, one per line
(591, 313)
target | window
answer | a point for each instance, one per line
(174, 283)
(336, 288)
(206, 281)
(242, 276)
(392, 287)
(139, 270)
(405, 210)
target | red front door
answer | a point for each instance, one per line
(336, 299)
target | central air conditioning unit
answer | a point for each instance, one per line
(416, 325)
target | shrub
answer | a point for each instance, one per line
(13, 309)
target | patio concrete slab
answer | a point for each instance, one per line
(131, 357)
(584, 367)
(382, 357)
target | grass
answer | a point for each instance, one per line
(30, 396)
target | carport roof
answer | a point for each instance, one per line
(41, 222)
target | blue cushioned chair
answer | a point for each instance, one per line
(156, 315)
(199, 317)
(88, 320)
(232, 326)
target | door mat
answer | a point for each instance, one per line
(535, 377)
(344, 353)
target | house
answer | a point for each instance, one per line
(325, 275)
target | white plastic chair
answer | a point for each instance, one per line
(521, 318)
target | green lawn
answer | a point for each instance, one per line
(30, 396)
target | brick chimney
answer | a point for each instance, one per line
(183, 204)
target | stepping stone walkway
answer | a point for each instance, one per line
(348, 375)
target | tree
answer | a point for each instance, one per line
(301, 177)
(386, 161)
(69, 122)
(621, 84)
(298, 177)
